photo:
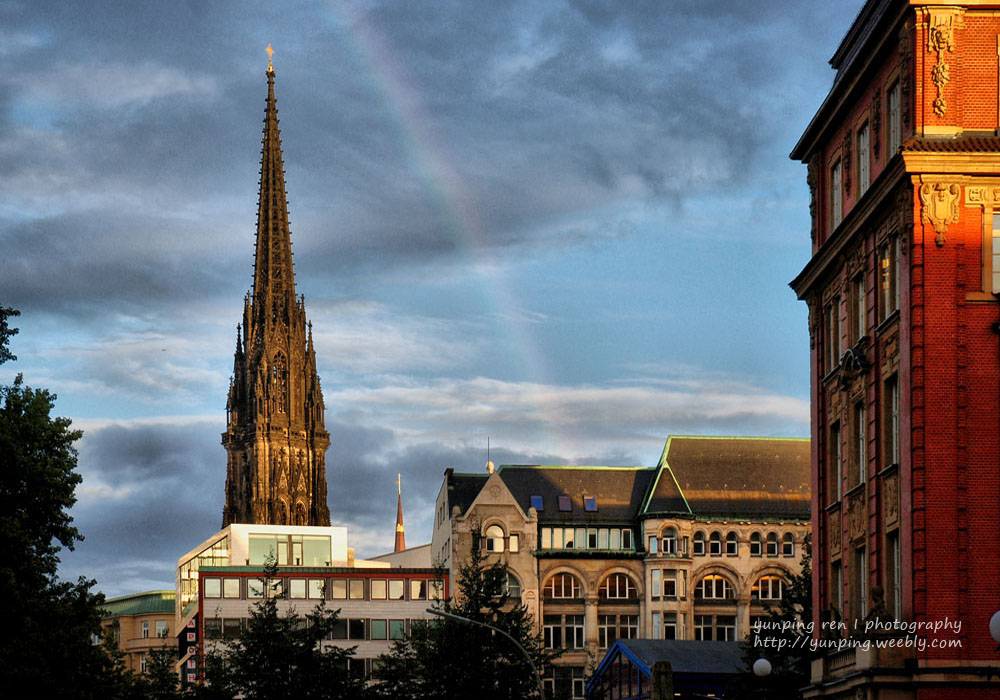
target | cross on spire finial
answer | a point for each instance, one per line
(399, 484)
(270, 53)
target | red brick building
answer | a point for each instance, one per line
(904, 171)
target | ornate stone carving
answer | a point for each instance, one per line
(875, 122)
(857, 515)
(812, 179)
(940, 40)
(939, 206)
(905, 63)
(890, 499)
(846, 160)
(834, 535)
(494, 492)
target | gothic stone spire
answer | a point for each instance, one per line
(275, 439)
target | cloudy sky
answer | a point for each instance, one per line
(567, 226)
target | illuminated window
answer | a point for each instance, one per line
(767, 588)
(713, 587)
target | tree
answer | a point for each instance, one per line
(784, 639)
(280, 656)
(447, 658)
(49, 624)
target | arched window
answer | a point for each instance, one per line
(715, 544)
(732, 544)
(513, 588)
(670, 541)
(618, 587)
(493, 539)
(756, 544)
(767, 588)
(699, 544)
(713, 587)
(561, 587)
(788, 545)
(772, 544)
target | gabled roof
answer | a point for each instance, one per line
(619, 491)
(146, 603)
(463, 489)
(748, 478)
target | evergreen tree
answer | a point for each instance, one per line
(282, 656)
(784, 640)
(48, 644)
(447, 658)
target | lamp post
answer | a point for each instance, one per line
(534, 669)
(761, 669)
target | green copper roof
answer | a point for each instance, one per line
(146, 603)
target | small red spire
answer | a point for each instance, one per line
(400, 535)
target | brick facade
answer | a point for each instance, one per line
(905, 363)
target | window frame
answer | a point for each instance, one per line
(836, 194)
(863, 140)
(732, 544)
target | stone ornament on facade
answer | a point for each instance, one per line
(846, 160)
(875, 119)
(834, 533)
(890, 499)
(856, 515)
(904, 74)
(940, 40)
(812, 179)
(939, 206)
(982, 196)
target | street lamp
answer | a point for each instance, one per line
(761, 668)
(995, 627)
(453, 616)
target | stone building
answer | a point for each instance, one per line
(141, 623)
(275, 437)
(902, 292)
(690, 549)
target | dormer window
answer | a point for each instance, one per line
(565, 505)
(537, 503)
(590, 504)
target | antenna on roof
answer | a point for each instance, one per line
(489, 464)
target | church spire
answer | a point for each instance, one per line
(275, 437)
(273, 282)
(400, 535)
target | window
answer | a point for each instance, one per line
(720, 628)
(891, 408)
(537, 503)
(767, 588)
(859, 584)
(832, 331)
(563, 631)
(888, 255)
(772, 544)
(564, 504)
(670, 626)
(699, 544)
(836, 195)
(379, 629)
(317, 589)
(493, 542)
(231, 627)
(858, 322)
(756, 543)
(894, 588)
(513, 587)
(837, 586)
(339, 629)
(713, 587)
(213, 587)
(213, 628)
(835, 469)
(161, 629)
(670, 584)
(397, 629)
(860, 443)
(732, 544)
(552, 631)
(357, 589)
(378, 589)
(657, 624)
(142, 663)
(297, 588)
(654, 542)
(436, 589)
(513, 543)
(396, 589)
(145, 629)
(574, 632)
(892, 117)
(607, 630)
(418, 589)
(656, 578)
(338, 589)
(991, 258)
(255, 588)
(670, 541)
(617, 587)
(590, 504)
(788, 545)
(715, 544)
(864, 163)
(355, 629)
(561, 586)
